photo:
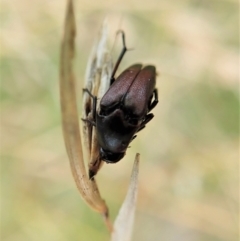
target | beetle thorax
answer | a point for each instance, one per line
(114, 131)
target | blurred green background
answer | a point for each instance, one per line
(188, 183)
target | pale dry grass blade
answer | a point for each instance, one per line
(97, 81)
(123, 224)
(87, 188)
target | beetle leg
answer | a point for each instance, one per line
(133, 138)
(147, 119)
(94, 107)
(89, 121)
(154, 103)
(141, 127)
(124, 49)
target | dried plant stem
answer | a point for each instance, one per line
(70, 124)
(123, 224)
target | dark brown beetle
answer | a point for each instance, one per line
(124, 109)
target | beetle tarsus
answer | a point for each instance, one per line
(147, 119)
(87, 90)
(89, 121)
(133, 137)
(154, 103)
(91, 174)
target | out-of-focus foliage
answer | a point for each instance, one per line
(188, 182)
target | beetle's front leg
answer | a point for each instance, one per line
(154, 103)
(94, 107)
(146, 120)
(93, 123)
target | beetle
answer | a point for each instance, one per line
(124, 108)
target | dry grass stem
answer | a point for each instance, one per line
(123, 224)
(97, 81)
(70, 123)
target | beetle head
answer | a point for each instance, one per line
(110, 157)
(114, 135)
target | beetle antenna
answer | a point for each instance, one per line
(124, 49)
